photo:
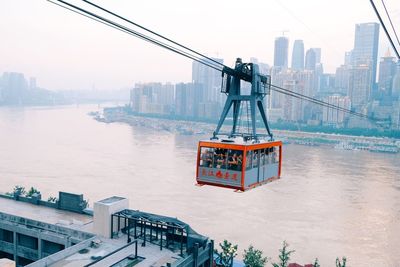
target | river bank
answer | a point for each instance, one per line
(337, 141)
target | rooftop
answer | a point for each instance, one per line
(111, 200)
(48, 215)
(85, 241)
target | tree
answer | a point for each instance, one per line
(316, 263)
(32, 191)
(341, 263)
(225, 257)
(19, 190)
(284, 256)
(253, 257)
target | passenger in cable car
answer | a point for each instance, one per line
(221, 159)
(232, 161)
(262, 157)
(255, 156)
(239, 162)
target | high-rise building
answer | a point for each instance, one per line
(32, 83)
(317, 54)
(152, 98)
(360, 85)
(263, 67)
(188, 99)
(311, 59)
(366, 47)
(15, 88)
(387, 70)
(348, 58)
(335, 117)
(281, 52)
(209, 78)
(396, 83)
(298, 55)
(342, 79)
(327, 83)
(209, 98)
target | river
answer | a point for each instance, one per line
(329, 203)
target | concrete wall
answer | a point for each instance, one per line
(29, 240)
(102, 214)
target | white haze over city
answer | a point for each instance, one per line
(64, 50)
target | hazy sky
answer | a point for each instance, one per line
(67, 51)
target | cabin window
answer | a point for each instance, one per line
(206, 157)
(220, 158)
(262, 157)
(256, 155)
(235, 160)
(249, 157)
(276, 154)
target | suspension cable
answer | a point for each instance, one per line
(96, 17)
(153, 32)
(200, 58)
(390, 20)
(384, 28)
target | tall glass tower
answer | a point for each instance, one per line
(366, 47)
(281, 52)
(298, 55)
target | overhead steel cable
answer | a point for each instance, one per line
(204, 60)
(314, 100)
(153, 32)
(384, 28)
(118, 26)
(319, 102)
(391, 23)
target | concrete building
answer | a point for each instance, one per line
(327, 83)
(348, 58)
(293, 108)
(15, 88)
(387, 70)
(188, 98)
(39, 235)
(210, 96)
(342, 79)
(298, 55)
(396, 83)
(281, 52)
(278, 77)
(334, 117)
(360, 85)
(210, 80)
(311, 59)
(152, 98)
(317, 52)
(32, 83)
(302, 82)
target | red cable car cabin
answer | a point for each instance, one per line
(238, 165)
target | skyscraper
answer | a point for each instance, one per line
(311, 59)
(348, 58)
(298, 55)
(360, 85)
(281, 52)
(366, 47)
(209, 78)
(396, 83)
(333, 116)
(387, 70)
(317, 54)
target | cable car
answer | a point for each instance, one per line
(238, 164)
(235, 159)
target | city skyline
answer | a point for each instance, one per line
(79, 55)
